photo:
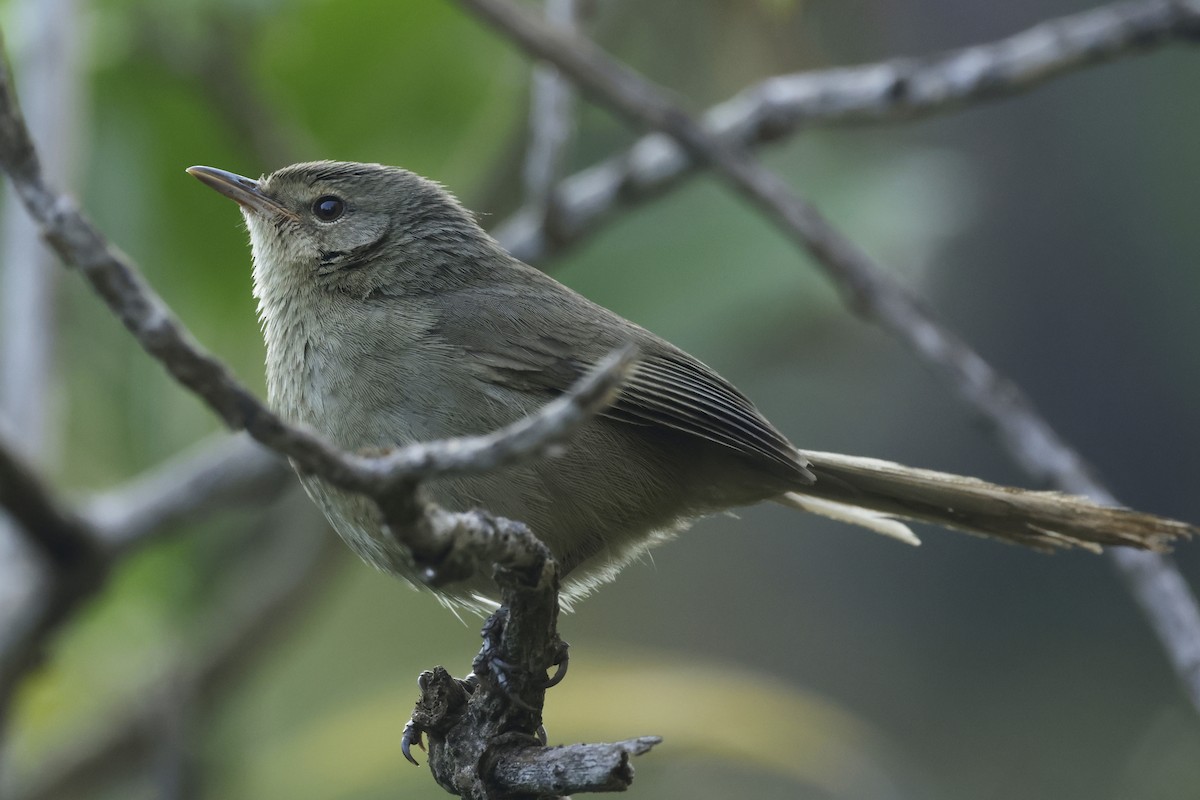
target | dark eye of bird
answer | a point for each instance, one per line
(328, 208)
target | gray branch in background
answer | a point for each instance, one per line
(551, 118)
(871, 93)
(873, 294)
(221, 472)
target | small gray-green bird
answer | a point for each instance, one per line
(391, 317)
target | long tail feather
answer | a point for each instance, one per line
(868, 492)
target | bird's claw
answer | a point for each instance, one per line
(564, 660)
(412, 735)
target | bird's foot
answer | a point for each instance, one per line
(443, 699)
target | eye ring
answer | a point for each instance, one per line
(328, 208)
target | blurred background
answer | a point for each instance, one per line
(781, 656)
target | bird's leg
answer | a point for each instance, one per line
(489, 665)
(508, 677)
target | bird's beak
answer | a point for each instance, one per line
(246, 192)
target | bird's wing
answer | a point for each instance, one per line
(676, 391)
(514, 342)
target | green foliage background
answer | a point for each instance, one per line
(781, 656)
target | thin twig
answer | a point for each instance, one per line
(874, 295)
(882, 92)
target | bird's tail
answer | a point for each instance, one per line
(878, 494)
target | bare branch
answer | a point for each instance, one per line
(903, 88)
(551, 104)
(873, 294)
(574, 769)
(1169, 605)
(881, 92)
(483, 732)
(218, 473)
(529, 436)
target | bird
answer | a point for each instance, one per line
(391, 316)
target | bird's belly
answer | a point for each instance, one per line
(597, 504)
